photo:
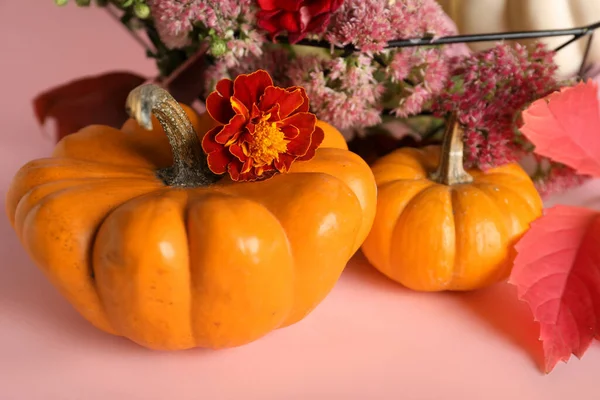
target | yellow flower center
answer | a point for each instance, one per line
(269, 142)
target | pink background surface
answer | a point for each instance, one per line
(370, 339)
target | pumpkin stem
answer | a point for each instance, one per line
(451, 171)
(190, 168)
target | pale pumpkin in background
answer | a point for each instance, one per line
(178, 259)
(490, 16)
(439, 227)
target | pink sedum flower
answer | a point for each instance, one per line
(370, 24)
(558, 178)
(416, 74)
(349, 97)
(488, 90)
(174, 19)
(230, 24)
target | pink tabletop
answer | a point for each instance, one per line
(370, 339)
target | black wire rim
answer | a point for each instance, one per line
(575, 33)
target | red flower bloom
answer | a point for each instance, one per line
(265, 128)
(297, 17)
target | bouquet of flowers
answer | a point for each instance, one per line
(380, 95)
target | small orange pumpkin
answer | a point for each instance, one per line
(213, 264)
(444, 228)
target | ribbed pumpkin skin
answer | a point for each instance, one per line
(433, 237)
(175, 268)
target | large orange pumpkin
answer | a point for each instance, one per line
(439, 227)
(215, 264)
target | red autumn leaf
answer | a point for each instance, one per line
(565, 127)
(90, 100)
(557, 273)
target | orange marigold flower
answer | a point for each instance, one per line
(264, 128)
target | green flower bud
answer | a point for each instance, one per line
(125, 3)
(141, 10)
(61, 2)
(83, 3)
(218, 47)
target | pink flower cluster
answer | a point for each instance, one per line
(174, 19)
(370, 24)
(229, 23)
(557, 178)
(343, 91)
(418, 75)
(487, 91)
(275, 60)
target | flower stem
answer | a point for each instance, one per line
(190, 168)
(451, 170)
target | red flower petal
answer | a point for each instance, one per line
(267, 5)
(316, 8)
(297, 17)
(239, 108)
(290, 131)
(247, 165)
(249, 88)
(335, 4)
(288, 100)
(234, 168)
(288, 21)
(231, 131)
(306, 104)
(267, 21)
(256, 113)
(318, 24)
(316, 140)
(218, 104)
(299, 146)
(305, 122)
(305, 18)
(288, 5)
(218, 160)
(246, 136)
(225, 87)
(238, 152)
(209, 143)
(284, 162)
(296, 37)
(274, 111)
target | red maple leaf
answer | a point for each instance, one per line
(90, 100)
(565, 127)
(557, 269)
(557, 272)
(100, 99)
